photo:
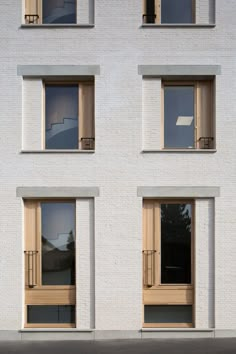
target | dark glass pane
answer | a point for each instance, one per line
(61, 117)
(150, 11)
(168, 314)
(58, 243)
(179, 117)
(51, 314)
(59, 11)
(176, 11)
(176, 243)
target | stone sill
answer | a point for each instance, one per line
(56, 330)
(192, 151)
(178, 25)
(57, 151)
(58, 26)
(146, 329)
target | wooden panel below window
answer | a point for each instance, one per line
(168, 297)
(50, 297)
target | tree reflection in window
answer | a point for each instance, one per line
(176, 220)
(58, 243)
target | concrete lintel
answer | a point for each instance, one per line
(178, 192)
(57, 70)
(182, 70)
(57, 192)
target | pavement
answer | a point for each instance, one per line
(144, 346)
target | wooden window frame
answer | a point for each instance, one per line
(158, 293)
(42, 294)
(198, 107)
(82, 85)
(38, 5)
(158, 11)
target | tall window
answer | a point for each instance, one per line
(50, 263)
(169, 11)
(168, 263)
(69, 116)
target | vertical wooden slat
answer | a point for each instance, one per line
(148, 243)
(86, 112)
(30, 222)
(204, 107)
(158, 11)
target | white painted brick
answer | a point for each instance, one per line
(32, 114)
(85, 11)
(151, 103)
(118, 44)
(204, 263)
(85, 264)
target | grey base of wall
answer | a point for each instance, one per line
(96, 335)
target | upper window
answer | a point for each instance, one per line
(50, 11)
(169, 11)
(188, 115)
(69, 116)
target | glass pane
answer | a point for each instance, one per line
(179, 116)
(58, 243)
(59, 11)
(51, 314)
(176, 11)
(61, 117)
(168, 314)
(176, 222)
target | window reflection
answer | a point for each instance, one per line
(179, 116)
(58, 243)
(61, 116)
(176, 11)
(59, 11)
(176, 222)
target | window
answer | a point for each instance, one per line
(168, 263)
(169, 11)
(50, 263)
(50, 11)
(69, 116)
(188, 115)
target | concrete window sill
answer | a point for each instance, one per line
(55, 330)
(86, 25)
(146, 329)
(178, 25)
(57, 151)
(191, 151)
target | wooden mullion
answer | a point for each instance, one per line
(158, 11)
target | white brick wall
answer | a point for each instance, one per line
(85, 12)
(118, 44)
(32, 115)
(204, 263)
(151, 113)
(205, 11)
(85, 292)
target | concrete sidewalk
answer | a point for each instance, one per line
(186, 346)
